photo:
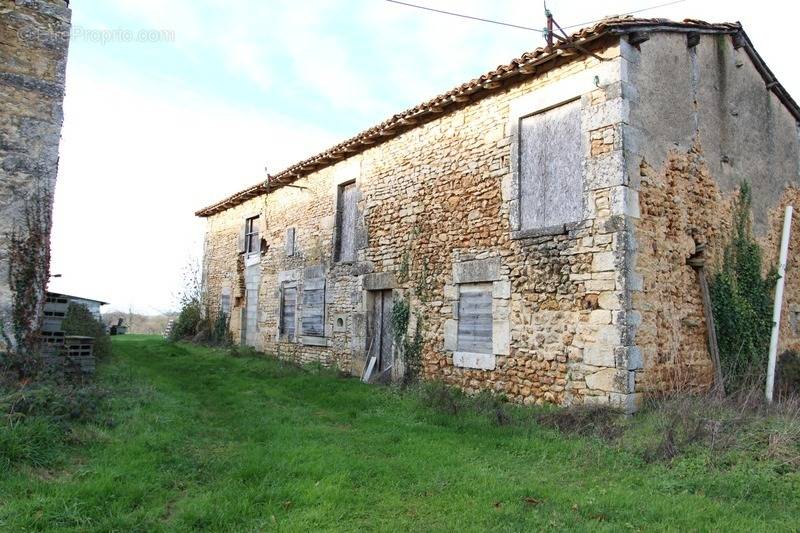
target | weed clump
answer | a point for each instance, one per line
(454, 402)
(741, 427)
(586, 420)
(36, 416)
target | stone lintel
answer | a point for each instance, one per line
(479, 270)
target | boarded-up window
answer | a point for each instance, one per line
(313, 319)
(288, 308)
(346, 238)
(475, 318)
(550, 177)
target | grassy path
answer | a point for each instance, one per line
(200, 440)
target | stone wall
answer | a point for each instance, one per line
(33, 54)
(442, 196)
(599, 310)
(697, 130)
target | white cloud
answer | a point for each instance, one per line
(138, 159)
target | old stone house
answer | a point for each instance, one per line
(528, 230)
(34, 38)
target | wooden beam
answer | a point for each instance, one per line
(638, 37)
(697, 262)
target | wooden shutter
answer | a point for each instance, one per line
(288, 307)
(347, 222)
(550, 175)
(242, 245)
(313, 319)
(475, 318)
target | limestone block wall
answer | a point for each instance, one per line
(34, 37)
(437, 199)
(696, 130)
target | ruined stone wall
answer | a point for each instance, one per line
(697, 130)
(436, 210)
(33, 55)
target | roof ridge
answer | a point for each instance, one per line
(528, 64)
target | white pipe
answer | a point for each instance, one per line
(776, 311)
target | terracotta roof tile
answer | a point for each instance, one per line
(518, 69)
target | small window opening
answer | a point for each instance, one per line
(252, 244)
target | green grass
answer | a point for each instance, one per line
(195, 439)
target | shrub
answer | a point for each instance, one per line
(742, 301)
(80, 321)
(197, 321)
(189, 321)
(194, 325)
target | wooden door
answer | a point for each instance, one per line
(381, 339)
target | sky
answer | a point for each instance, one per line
(172, 105)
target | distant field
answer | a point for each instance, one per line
(139, 324)
(196, 439)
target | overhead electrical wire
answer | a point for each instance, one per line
(470, 17)
(518, 26)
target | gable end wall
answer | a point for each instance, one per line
(701, 122)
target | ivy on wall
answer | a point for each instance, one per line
(742, 299)
(410, 345)
(28, 273)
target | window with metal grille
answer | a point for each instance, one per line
(313, 315)
(288, 307)
(475, 318)
(251, 242)
(550, 175)
(346, 227)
